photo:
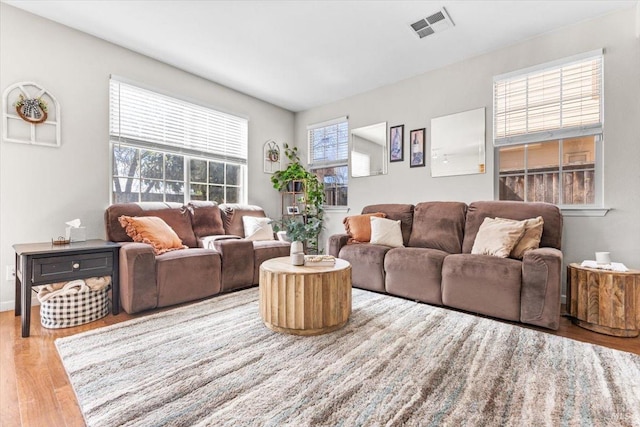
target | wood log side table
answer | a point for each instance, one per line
(604, 301)
(303, 300)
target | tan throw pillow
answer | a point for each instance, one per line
(531, 237)
(151, 230)
(386, 232)
(256, 228)
(358, 227)
(497, 238)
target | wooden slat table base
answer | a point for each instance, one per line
(604, 301)
(304, 300)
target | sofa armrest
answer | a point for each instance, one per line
(138, 288)
(541, 287)
(336, 242)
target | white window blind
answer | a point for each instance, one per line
(556, 100)
(141, 116)
(329, 143)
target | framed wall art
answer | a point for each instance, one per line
(416, 147)
(396, 143)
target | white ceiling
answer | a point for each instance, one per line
(301, 54)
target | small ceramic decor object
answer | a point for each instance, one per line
(297, 259)
(297, 253)
(603, 257)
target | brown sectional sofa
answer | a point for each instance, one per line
(436, 265)
(218, 258)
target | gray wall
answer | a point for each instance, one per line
(42, 187)
(468, 85)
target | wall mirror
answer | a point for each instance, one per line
(458, 144)
(368, 150)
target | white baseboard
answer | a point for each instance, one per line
(10, 305)
(7, 305)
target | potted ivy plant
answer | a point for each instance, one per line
(293, 174)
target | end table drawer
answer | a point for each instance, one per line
(55, 269)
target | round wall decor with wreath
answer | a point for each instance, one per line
(32, 110)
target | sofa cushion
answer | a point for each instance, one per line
(497, 237)
(395, 211)
(267, 249)
(439, 225)
(531, 237)
(482, 284)
(153, 231)
(187, 275)
(367, 265)
(478, 211)
(415, 273)
(358, 227)
(386, 232)
(257, 228)
(232, 217)
(174, 214)
(206, 218)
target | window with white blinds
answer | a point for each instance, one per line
(170, 150)
(139, 115)
(548, 132)
(556, 100)
(329, 143)
(329, 158)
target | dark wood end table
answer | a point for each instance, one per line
(43, 263)
(604, 301)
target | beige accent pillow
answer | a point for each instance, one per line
(358, 227)
(151, 230)
(497, 238)
(257, 228)
(531, 237)
(386, 232)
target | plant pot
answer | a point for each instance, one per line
(294, 186)
(297, 248)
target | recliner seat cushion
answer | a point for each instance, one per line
(187, 275)
(267, 249)
(415, 273)
(483, 284)
(367, 265)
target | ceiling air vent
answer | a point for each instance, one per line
(435, 23)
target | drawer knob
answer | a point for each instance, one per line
(76, 265)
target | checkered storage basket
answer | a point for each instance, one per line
(64, 311)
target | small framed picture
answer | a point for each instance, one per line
(416, 147)
(396, 146)
(292, 210)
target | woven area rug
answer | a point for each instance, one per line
(396, 362)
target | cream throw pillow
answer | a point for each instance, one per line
(498, 238)
(531, 237)
(256, 228)
(386, 232)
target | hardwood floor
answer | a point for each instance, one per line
(35, 391)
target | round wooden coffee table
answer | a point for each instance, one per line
(302, 300)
